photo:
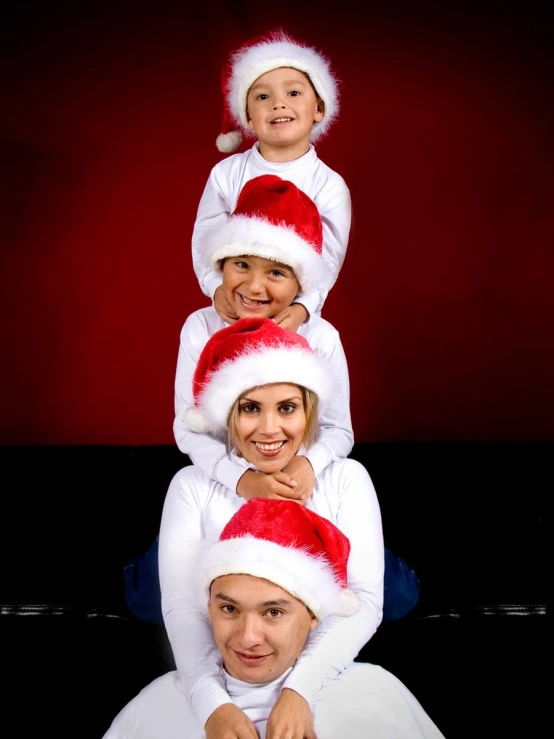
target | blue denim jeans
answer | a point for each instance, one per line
(143, 596)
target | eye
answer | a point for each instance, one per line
(274, 613)
(228, 608)
(277, 273)
(287, 408)
(294, 93)
(241, 264)
(262, 96)
(249, 408)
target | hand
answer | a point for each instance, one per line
(260, 485)
(301, 471)
(290, 718)
(292, 317)
(229, 722)
(223, 307)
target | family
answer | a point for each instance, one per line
(270, 572)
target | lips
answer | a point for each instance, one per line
(281, 120)
(251, 659)
(251, 302)
(269, 449)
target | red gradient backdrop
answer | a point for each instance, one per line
(445, 303)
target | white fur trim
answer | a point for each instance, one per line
(280, 364)
(256, 60)
(310, 579)
(242, 235)
(194, 420)
(228, 142)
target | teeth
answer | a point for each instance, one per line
(249, 301)
(282, 120)
(269, 447)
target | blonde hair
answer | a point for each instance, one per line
(310, 402)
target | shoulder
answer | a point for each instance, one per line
(321, 335)
(327, 176)
(345, 468)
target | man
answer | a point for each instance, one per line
(276, 572)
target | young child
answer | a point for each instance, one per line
(286, 95)
(268, 252)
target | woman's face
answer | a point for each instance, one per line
(271, 423)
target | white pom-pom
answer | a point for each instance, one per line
(349, 603)
(194, 420)
(228, 142)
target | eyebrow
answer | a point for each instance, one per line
(286, 400)
(260, 86)
(266, 604)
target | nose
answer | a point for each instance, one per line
(268, 423)
(278, 103)
(249, 634)
(255, 283)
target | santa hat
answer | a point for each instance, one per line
(247, 354)
(263, 54)
(276, 220)
(289, 545)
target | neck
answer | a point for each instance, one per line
(279, 155)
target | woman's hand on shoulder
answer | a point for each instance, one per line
(229, 722)
(279, 485)
(290, 718)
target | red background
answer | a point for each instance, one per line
(445, 303)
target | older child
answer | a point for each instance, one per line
(286, 95)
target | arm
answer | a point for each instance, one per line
(213, 209)
(207, 452)
(333, 645)
(335, 438)
(335, 207)
(181, 532)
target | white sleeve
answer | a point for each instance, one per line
(336, 217)
(213, 209)
(335, 437)
(333, 645)
(197, 658)
(205, 451)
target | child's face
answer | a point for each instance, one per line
(258, 287)
(282, 108)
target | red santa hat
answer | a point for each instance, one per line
(263, 54)
(289, 545)
(276, 220)
(247, 354)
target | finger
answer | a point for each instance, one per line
(284, 479)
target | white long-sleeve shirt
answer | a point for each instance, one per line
(323, 185)
(335, 438)
(364, 701)
(196, 509)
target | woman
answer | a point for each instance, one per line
(259, 387)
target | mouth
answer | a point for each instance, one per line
(251, 302)
(276, 121)
(269, 449)
(251, 659)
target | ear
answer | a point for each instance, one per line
(319, 111)
(313, 623)
(250, 125)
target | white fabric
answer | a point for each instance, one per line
(335, 438)
(197, 508)
(365, 702)
(323, 185)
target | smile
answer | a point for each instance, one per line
(251, 659)
(250, 301)
(266, 448)
(281, 120)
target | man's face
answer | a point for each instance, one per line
(258, 627)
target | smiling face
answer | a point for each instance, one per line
(281, 109)
(255, 286)
(258, 627)
(270, 425)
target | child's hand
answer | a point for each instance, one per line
(260, 485)
(301, 472)
(223, 307)
(229, 722)
(292, 317)
(291, 716)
